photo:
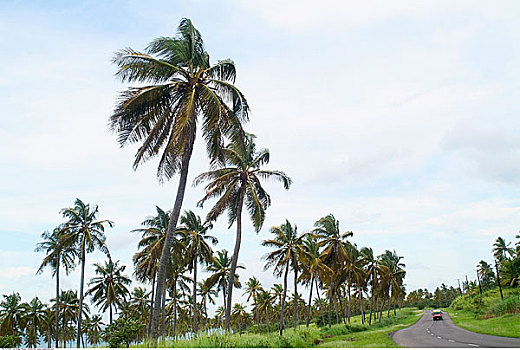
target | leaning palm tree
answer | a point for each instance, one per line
(109, 288)
(288, 248)
(87, 233)
(219, 267)
(58, 253)
(196, 241)
(180, 86)
(239, 182)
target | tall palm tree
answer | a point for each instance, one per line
(34, 317)
(87, 233)
(253, 289)
(196, 240)
(109, 288)
(181, 85)
(334, 253)
(151, 244)
(219, 267)
(355, 273)
(238, 181)
(70, 308)
(288, 248)
(59, 252)
(206, 294)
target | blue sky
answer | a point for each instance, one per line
(399, 118)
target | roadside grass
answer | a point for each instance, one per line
(376, 336)
(357, 335)
(505, 326)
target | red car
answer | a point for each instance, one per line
(437, 315)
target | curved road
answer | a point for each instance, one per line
(427, 333)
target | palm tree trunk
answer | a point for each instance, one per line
(310, 302)
(267, 318)
(224, 296)
(349, 309)
(257, 315)
(319, 300)
(163, 312)
(57, 298)
(151, 304)
(110, 307)
(175, 307)
(336, 305)
(168, 241)
(283, 297)
(234, 258)
(361, 306)
(331, 291)
(295, 303)
(195, 293)
(82, 281)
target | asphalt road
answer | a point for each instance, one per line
(427, 333)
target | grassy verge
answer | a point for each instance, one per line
(376, 336)
(505, 326)
(357, 335)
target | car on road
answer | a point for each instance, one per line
(437, 315)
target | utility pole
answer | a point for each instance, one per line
(479, 286)
(460, 290)
(498, 280)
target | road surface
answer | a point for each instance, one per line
(427, 333)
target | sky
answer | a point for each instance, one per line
(400, 118)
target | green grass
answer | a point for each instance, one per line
(376, 336)
(505, 326)
(489, 314)
(357, 335)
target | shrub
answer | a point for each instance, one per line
(122, 332)
(510, 304)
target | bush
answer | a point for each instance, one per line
(510, 305)
(122, 332)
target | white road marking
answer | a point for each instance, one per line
(439, 338)
(473, 345)
(451, 341)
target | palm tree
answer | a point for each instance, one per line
(502, 249)
(11, 314)
(34, 317)
(253, 289)
(288, 248)
(355, 273)
(181, 85)
(312, 267)
(93, 329)
(207, 294)
(70, 308)
(238, 181)
(87, 234)
(197, 242)
(177, 280)
(219, 266)
(58, 253)
(151, 243)
(264, 303)
(109, 288)
(240, 315)
(335, 253)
